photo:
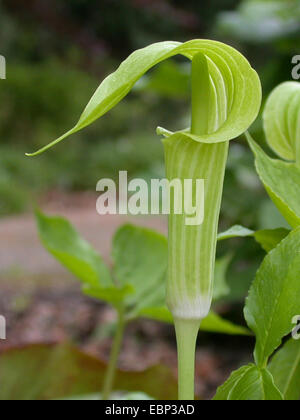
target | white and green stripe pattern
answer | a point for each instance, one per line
(192, 248)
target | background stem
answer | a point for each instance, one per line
(114, 356)
(186, 333)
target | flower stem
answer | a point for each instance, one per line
(114, 356)
(186, 333)
(187, 329)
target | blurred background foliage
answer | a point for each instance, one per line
(58, 52)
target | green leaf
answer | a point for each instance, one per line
(47, 372)
(66, 245)
(281, 120)
(282, 182)
(113, 295)
(212, 323)
(221, 288)
(140, 268)
(274, 297)
(236, 231)
(235, 87)
(270, 217)
(249, 384)
(270, 238)
(140, 261)
(285, 368)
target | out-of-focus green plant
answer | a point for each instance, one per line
(262, 20)
(273, 301)
(282, 127)
(20, 368)
(136, 286)
(270, 308)
(136, 290)
(226, 98)
(282, 121)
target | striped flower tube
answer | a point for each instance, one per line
(226, 98)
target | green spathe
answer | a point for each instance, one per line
(192, 249)
(234, 84)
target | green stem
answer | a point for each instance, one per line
(192, 248)
(114, 356)
(187, 329)
(186, 333)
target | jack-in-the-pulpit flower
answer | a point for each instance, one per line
(226, 98)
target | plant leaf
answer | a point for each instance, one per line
(66, 245)
(235, 87)
(221, 288)
(212, 323)
(270, 238)
(282, 121)
(249, 384)
(285, 368)
(47, 372)
(274, 297)
(113, 295)
(236, 231)
(282, 182)
(140, 261)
